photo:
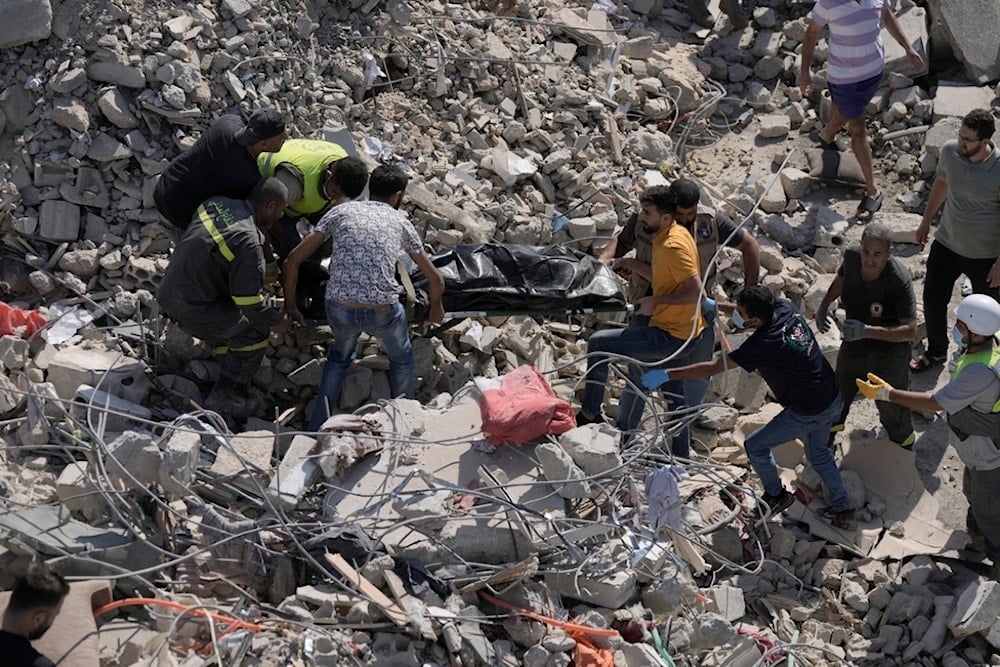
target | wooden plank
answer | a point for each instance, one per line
(367, 588)
(406, 601)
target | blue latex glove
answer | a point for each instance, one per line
(709, 306)
(854, 330)
(653, 379)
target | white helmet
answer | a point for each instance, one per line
(980, 313)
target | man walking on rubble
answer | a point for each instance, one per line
(972, 401)
(318, 175)
(709, 228)
(785, 352)
(223, 163)
(213, 288)
(35, 602)
(363, 294)
(663, 321)
(877, 295)
(967, 241)
(854, 70)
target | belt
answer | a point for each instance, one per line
(379, 308)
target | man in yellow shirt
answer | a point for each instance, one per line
(673, 311)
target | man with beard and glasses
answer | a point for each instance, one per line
(968, 239)
(673, 311)
(35, 602)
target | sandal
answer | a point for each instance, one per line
(925, 362)
(868, 207)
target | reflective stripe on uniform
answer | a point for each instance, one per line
(213, 231)
(248, 300)
(253, 347)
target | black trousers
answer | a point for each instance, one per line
(943, 269)
(238, 342)
(982, 489)
(891, 363)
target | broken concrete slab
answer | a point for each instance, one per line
(58, 220)
(295, 474)
(961, 23)
(954, 98)
(24, 21)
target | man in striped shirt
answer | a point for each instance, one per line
(854, 71)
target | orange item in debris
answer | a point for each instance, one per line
(19, 322)
(587, 655)
(523, 408)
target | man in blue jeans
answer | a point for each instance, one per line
(362, 294)
(664, 321)
(783, 349)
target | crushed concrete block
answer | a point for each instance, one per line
(307, 375)
(712, 630)
(71, 114)
(593, 447)
(24, 21)
(13, 352)
(958, 99)
(295, 473)
(962, 23)
(795, 182)
(728, 601)
(181, 454)
(246, 459)
(774, 125)
(611, 590)
(74, 366)
(426, 510)
(78, 492)
(111, 413)
(782, 543)
(668, 595)
(564, 475)
(58, 220)
(976, 609)
(134, 459)
(115, 72)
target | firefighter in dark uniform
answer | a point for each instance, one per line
(213, 288)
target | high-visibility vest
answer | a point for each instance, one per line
(307, 160)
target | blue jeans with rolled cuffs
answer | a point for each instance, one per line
(815, 432)
(388, 325)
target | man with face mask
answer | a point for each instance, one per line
(35, 601)
(875, 291)
(975, 388)
(783, 349)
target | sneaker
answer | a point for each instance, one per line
(838, 518)
(966, 287)
(775, 504)
(581, 420)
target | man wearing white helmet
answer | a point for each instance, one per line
(973, 392)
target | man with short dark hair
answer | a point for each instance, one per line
(855, 62)
(783, 349)
(875, 290)
(213, 287)
(318, 174)
(672, 312)
(967, 240)
(35, 601)
(362, 294)
(223, 163)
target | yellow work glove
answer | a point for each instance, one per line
(875, 389)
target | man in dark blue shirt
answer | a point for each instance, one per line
(783, 349)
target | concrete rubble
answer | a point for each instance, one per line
(402, 537)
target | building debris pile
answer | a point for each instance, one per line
(399, 536)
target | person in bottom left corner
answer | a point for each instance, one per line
(213, 288)
(35, 601)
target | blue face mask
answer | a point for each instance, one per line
(956, 335)
(738, 320)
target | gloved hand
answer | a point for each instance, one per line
(823, 318)
(854, 330)
(875, 389)
(653, 379)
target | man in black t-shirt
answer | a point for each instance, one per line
(876, 292)
(35, 602)
(222, 163)
(784, 351)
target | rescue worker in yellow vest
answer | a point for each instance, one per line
(972, 401)
(318, 174)
(213, 288)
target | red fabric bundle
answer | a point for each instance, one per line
(523, 408)
(19, 322)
